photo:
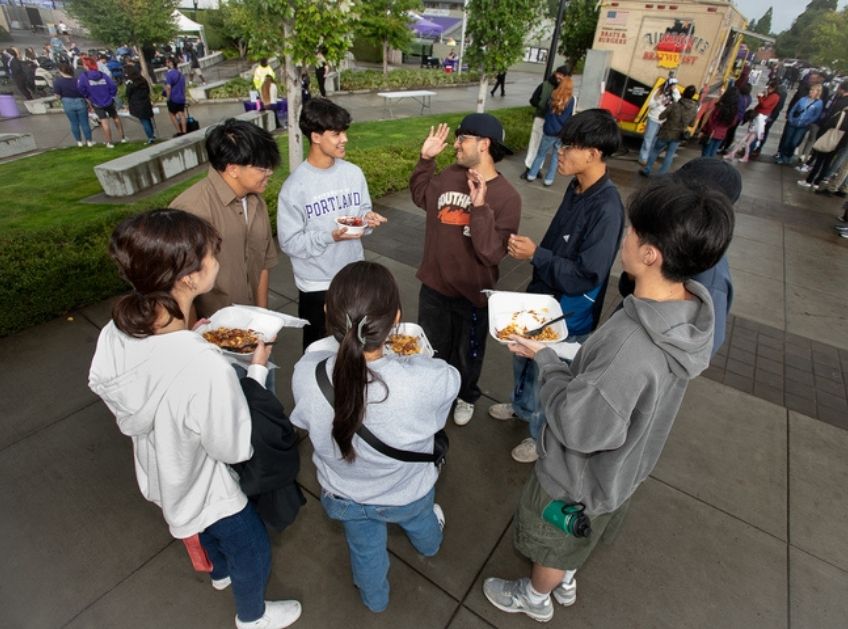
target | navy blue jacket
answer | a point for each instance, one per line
(579, 248)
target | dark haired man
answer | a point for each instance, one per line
(175, 95)
(676, 120)
(320, 190)
(471, 212)
(573, 260)
(609, 413)
(242, 158)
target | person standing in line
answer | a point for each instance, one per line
(802, 114)
(175, 95)
(742, 107)
(471, 212)
(99, 90)
(539, 101)
(323, 188)
(363, 387)
(560, 109)
(676, 120)
(179, 401)
(19, 73)
(722, 117)
(321, 69)
(664, 96)
(573, 260)
(242, 158)
(609, 413)
(73, 102)
(500, 81)
(138, 100)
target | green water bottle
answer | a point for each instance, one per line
(568, 517)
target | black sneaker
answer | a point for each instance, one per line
(524, 174)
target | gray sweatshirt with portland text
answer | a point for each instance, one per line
(610, 412)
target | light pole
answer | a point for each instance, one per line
(195, 9)
(555, 38)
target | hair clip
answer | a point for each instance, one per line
(348, 322)
(360, 330)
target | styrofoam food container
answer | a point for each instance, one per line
(266, 323)
(527, 309)
(353, 231)
(412, 329)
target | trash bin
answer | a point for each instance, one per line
(8, 106)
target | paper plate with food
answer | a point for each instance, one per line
(355, 225)
(238, 329)
(523, 313)
(408, 339)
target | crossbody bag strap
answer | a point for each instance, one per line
(366, 435)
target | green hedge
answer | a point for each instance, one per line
(402, 79)
(53, 249)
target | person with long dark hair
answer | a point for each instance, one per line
(361, 487)
(723, 117)
(138, 100)
(75, 106)
(178, 399)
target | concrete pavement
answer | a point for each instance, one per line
(740, 525)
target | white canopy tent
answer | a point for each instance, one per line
(186, 25)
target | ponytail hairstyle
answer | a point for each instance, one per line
(561, 95)
(153, 252)
(363, 302)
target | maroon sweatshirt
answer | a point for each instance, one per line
(463, 244)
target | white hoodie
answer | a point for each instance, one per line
(180, 401)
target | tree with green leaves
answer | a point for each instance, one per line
(127, 22)
(238, 21)
(797, 41)
(386, 23)
(495, 35)
(761, 26)
(830, 40)
(578, 29)
(295, 30)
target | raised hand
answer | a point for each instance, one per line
(435, 142)
(477, 188)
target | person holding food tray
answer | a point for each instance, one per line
(339, 392)
(574, 258)
(180, 402)
(471, 211)
(323, 211)
(609, 413)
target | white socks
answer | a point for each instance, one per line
(569, 577)
(536, 598)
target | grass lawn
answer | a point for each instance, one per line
(53, 243)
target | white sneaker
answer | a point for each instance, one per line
(804, 184)
(502, 412)
(803, 168)
(89, 143)
(525, 452)
(278, 614)
(511, 597)
(109, 145)
(79, 144)
(221, 584)
(566, 593)
(440, 515)
(463, 412)
(124, 140)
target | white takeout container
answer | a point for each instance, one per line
(412, 329)
(353, 231)
(266, 322)
(503, 305)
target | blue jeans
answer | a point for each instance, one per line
(791, 139)
(76, 110)
(147, 125)
(711, 147)
(238, 547)
(547, 143)
(648, 140)
(367, 535)
(670, 147)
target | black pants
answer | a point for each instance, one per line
(457, 330)
(821, 164)
(320, 73)
(310, 306)
(501, 81)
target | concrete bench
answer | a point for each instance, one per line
(422, 97)
(210, 60)
(138, 171)
(201, 92)
(159, 73)
(16, 143)
(40, 105)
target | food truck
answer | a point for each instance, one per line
(697, 41)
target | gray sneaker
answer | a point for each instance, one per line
(566, 593)
(511, 597)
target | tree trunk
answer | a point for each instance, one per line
(293, 97)
(145, 71)
(385, 58)
(482, 92)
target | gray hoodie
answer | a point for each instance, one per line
(610, 412)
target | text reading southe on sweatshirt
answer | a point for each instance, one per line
(333, 202)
